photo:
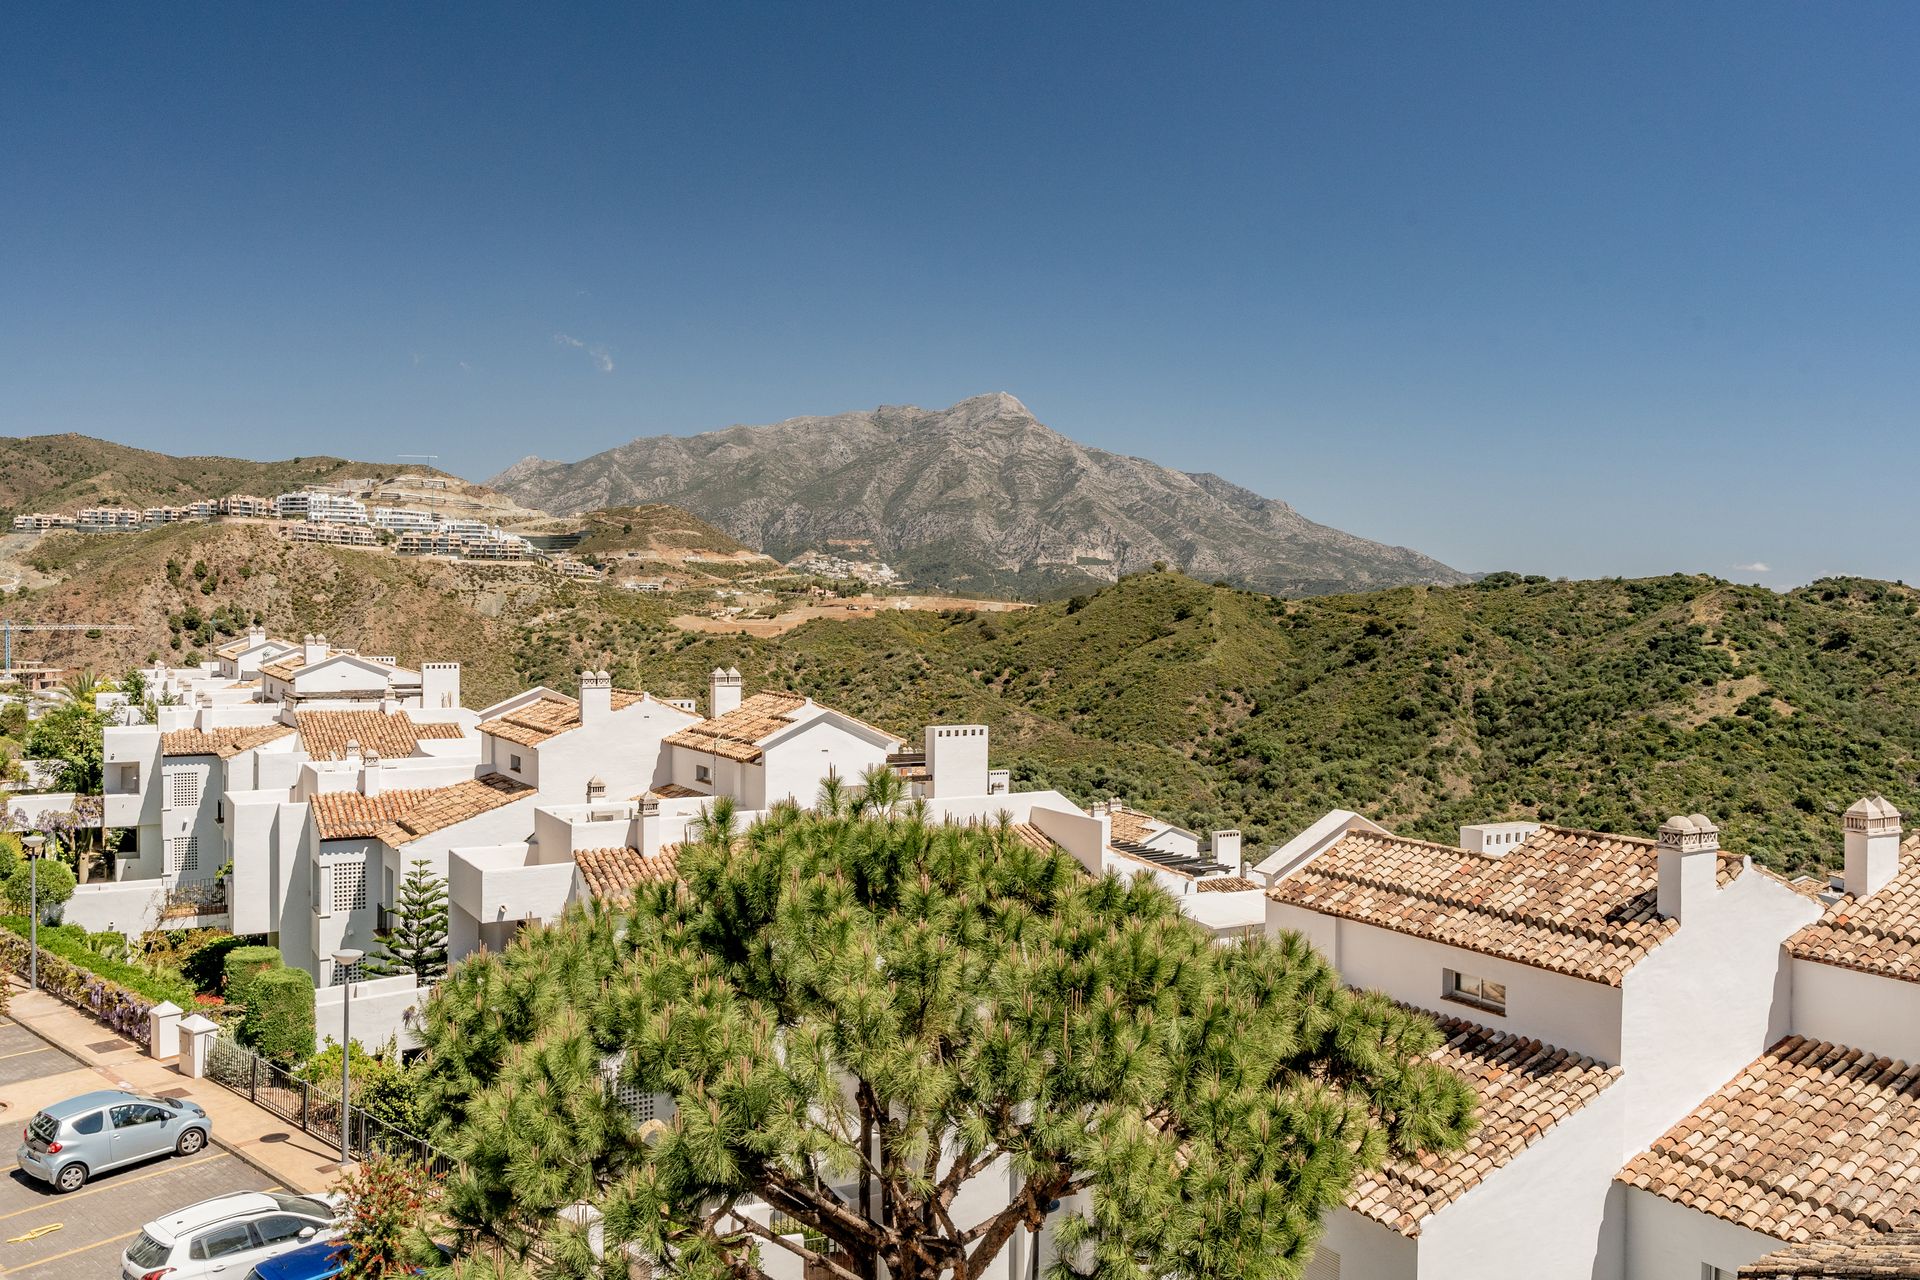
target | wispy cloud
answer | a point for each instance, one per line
(602, 358)
(1758, 566)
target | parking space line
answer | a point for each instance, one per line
(45, 1048)
(70, 1197)
(29, 1266)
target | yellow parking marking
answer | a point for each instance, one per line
(45, 1048)
(70, 1197)
(30, 1266)
(37, 1232)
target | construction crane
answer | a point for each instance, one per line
(7, 628)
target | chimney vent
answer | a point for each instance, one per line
(1872, 845)
(596, 788)
(596, 696)
(1688, 864)
(723, 691)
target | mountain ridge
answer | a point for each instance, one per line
(979, 496)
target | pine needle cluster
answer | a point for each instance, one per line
(897, 1048)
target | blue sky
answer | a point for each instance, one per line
(1573, 290)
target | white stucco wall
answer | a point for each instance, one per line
(1667, 1241)
(1369, 1251)
(1865, 1010)
(1569, 1012)
(801, 758)
(1706, 1002)
(130, 906)
(380, 1007)
(1553, 1212)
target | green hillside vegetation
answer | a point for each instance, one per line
(67, 472)
(1607, 704)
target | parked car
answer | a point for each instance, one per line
(226, 1236)
(69, 1142)
(321, 1260)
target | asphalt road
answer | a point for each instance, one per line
(44, 1236)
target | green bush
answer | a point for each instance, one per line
(279, 1019)
(206, 965)
(69, 942)
(383, 1087)
(241, 966)
(55, 886)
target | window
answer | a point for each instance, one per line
(223, 1242)
(1464, 988)
(186, 853)
(702, 774)
(320, 905)
(349, 886)
(276, 1227)
(128, 780)
(219, 810)
(513, 763)
(91, 1123)
(131, 1115)
(183, 789)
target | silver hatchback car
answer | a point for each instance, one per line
(69, 1142)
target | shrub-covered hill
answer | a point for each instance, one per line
(1605, 704)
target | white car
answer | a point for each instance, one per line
(225, 1236)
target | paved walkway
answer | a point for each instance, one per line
(294, 1159)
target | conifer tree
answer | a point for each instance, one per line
(417, 941)
(855, 1014)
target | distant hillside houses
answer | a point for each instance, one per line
(327, 514)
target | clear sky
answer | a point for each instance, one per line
(1569, 289)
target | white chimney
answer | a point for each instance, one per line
(723, 691)
(1873, 845)
(1689, 864)
(596, 696)
(256, 635)
(650, 828)
(1226, 850)
(313, 649)
(596, 788)
(370, 774)
(439, 685)
(957, 760)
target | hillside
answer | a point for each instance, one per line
(655, 531)
(1606, 704)
(65, 472)
(980, 497)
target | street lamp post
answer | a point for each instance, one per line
(345, 959)
(34, 844)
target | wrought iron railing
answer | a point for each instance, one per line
(200, 898)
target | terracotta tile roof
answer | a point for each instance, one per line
(286, 665)
(1224, 884)
(225, 743)
(1810, 1140)
(737, 735)
(1525, 1088)
(1876, 934)
(671, 791)
(1127, 824)
(613, 874)
(550, 717)
(1866, 1256)
(1033, 837)
(234, 648)
(1575, 902)
(400, 816)
(325, 734)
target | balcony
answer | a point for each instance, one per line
(498, 883)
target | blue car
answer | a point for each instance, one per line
(320, 1260)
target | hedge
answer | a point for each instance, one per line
(107, 1002)
(279, 1020)
(69, 942)
(242, 966)
(206, 966)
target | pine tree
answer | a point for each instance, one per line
(417, 942)
(856, 1013)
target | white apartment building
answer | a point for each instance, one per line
(335, 508)
(245, 504)
(404, 519)
(1684, 1062)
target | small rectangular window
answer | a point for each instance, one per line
(130, 779)
(702, 774)
(513, 763)
(186, 853)
(183, 789)
(349, 886)
(1465, 988)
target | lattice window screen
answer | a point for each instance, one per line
(183, 789)
(349, 886)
